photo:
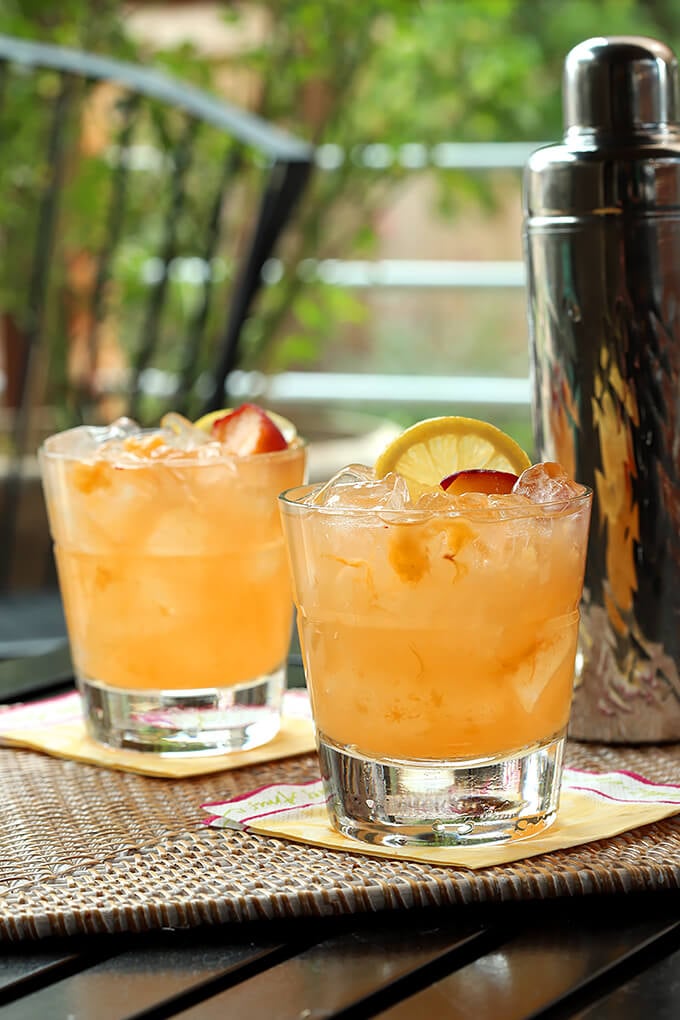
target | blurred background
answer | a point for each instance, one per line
(391, 289)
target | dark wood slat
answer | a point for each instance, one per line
(195, 339)
(285, 186)
(532, 971)
(137, 981)
(18, 969)
(35, 318)
(656, 990)
(182, 157)
(338, 973)
(3, 83)
(113, 224)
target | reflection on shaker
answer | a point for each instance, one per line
(602, 236)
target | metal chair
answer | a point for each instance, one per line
(136, 215)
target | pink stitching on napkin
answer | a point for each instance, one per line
(626, 772)
(235, 819)
(606, 777)
(253, 793)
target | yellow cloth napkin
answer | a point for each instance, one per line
(592, 806)
(55, 726)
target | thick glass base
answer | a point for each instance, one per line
(461, 802)
(213, 720)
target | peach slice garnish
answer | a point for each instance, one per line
(479, 480)
(248, 430)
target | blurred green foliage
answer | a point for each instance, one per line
(392, 71)
(106, 129)
(403, 72)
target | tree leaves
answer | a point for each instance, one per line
(393, 73)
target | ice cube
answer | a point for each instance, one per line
(354, 474)
(510, 504)
(107, 440)
(357, 486)
(121, 428)
(214, 450)
(528, 682)
(80, 442)
(84, 441)
(491, 506)
(470, 502)
(437, 501)
(182, 433)
(553, 656)
(547, 483)
(473, 505)
(176, 436)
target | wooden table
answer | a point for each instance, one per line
(596, 957)
(600, 959)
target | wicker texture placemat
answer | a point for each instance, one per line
(85, 850)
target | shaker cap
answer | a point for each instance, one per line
(620, 86)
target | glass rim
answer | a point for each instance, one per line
(45, 452)
(414, 514)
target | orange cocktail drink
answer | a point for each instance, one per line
(439, 637)
(173, 575)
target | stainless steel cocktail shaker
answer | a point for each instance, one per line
(602, 247)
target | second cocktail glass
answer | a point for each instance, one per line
(175, 587)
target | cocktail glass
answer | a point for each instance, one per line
(439, 643)
(175, 586)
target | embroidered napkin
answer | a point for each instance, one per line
(56, 726)
(592, 806)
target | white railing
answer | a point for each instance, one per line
(327, 389)
(338, 389)
(415, 274)
(324, 389)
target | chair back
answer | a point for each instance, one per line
(136, 216)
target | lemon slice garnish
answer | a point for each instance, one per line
(432, 449)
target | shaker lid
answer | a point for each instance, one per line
(620, 85)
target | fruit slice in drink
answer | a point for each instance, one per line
(437, 447)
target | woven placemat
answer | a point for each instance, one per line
(85, 850)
